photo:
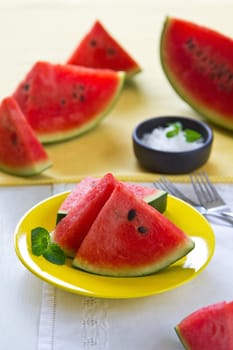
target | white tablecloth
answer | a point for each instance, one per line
(75, 322)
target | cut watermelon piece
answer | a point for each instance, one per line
(209, 328)
(198, 63)
(130, 238)
(76, 196)
(99, 49)
(155, 197)
(20, 152)
(71, 230)
(63, 101)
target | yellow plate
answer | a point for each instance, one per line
(73, 280)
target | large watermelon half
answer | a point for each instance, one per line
(155, 197)
(98, 49)
(130, 238)
(198, 63)
(209, 328)
(63, 101)
(20, 151)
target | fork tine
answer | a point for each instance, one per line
(205, 191)
(160, 185)
(166, 185)
(212, 188)
(197, 188)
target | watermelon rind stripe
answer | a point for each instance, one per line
(136, 271)
(181, 338)
(29, 170)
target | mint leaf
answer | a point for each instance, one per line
(39, 240)
(192, 135)
(54, 254)
(175, 131)
(42, 245)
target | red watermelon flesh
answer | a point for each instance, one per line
(198, 63)
(153, 196)
(71, 230)
(130, 238)
(63, 101)
(20, 151)
(76, 195)
(209, 328)
(98, 49)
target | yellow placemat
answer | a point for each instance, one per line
(107, 148)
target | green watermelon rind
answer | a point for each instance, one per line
(136, 271)
(208, 113)
(157, 200)
(30, 170)
(182, 340)
(74, 132)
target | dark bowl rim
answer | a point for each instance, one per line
(202, 124)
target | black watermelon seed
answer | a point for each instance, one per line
(81, 98)
(111, 51)
(93, 42)
(131, 214)
(26, 87)
(142, 229)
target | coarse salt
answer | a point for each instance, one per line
(158, 140)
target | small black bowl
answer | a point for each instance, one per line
(179, 162)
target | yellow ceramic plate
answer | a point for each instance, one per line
(73, 280)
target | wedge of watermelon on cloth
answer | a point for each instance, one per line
(20, 152)
(155, 197)
(63, 101)
(130, 238)
(98, 49)
(71, 230)
(209, 328)
(198, 63)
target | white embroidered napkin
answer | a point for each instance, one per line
(76, 322)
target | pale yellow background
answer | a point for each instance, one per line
(50, 30)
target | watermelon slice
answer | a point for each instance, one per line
(155, 197)
(76, 195)
(99, 49)
(130, 238)
(71, 230)
(20, 152)
(63, 101)
(209, 328)
(198, 63)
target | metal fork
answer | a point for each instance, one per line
(164, 184)
(208, 196)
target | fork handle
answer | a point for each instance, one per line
(228, 214)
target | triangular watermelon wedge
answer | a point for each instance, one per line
(63, 101)
(98, 49)
(209, 328)
(20, 151)
(71, 230)
(130, 238)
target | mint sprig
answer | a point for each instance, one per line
(176, 128)
(189, 134)
(41, 245)
(40, 239)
